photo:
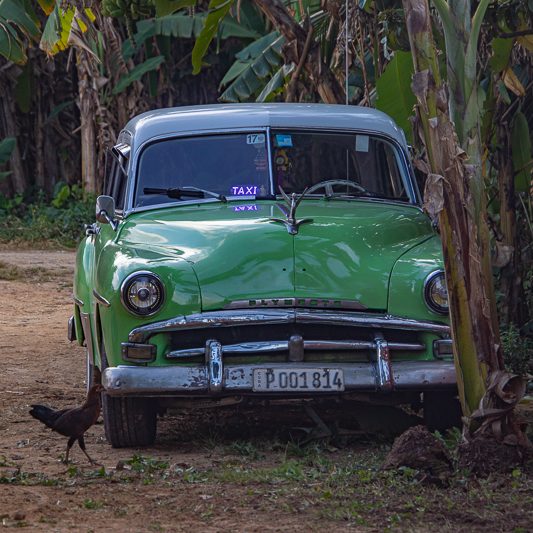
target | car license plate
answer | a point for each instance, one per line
(298, 379)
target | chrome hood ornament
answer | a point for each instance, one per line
(289, 211)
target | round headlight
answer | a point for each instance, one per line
(142, 293)
(435, 293)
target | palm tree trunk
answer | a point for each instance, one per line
(10, 129)
(87, 128)
(475, 347)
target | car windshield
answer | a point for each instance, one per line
(236, 165)
(229, 165)
(352, 164)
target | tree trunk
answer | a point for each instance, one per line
(9, 123)
(87, 128)
(453, 195)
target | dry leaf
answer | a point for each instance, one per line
(527, 42)
(502, 254)
(434, 195)
(512, 82)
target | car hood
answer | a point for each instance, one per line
(342, 257)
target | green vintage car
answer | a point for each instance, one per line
(269, 251)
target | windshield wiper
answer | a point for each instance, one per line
(190, 192)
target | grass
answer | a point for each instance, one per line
(346, 487)
(89, 503)
(10, 272)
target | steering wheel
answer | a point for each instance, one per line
(328, 186)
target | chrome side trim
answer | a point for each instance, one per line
(260, 347)
(77, 301)
(87, 333)
(194, 380)
(71, 329)
(101, 299)
(250, 317)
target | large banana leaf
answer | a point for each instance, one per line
(276, 83)
(395, 96)
(17, 26)
(218, 9)
(255, 64)
(137, 73)
(184, 26)
(258, 62)
(167, 7)
(59, 27)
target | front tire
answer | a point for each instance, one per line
(129, 422)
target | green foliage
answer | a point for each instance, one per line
(183, 26)
(127, 9)
(218, 9)
(521, 147)
(137, 72)
(7, 146)
(395, 96)
(140, 463)
(18, 24)
(276, 83)
(89, 503)
(517, 350)
(501, 53)
(60, 221)
(167, 7)
(254, 66)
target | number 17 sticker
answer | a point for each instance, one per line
(255, 138)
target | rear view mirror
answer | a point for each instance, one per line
(105, 210)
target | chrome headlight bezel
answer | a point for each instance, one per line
(155, 280)
(429, 286)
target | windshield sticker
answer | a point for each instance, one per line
(261, 161)
(283, 140)
(241, 208)
(255, 138)
(247, 190)
(361, 143)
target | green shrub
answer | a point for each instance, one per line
(518, 351)
(59, 221)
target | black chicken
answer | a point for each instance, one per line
(72, 423)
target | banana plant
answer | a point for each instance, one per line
(19, 29)
(260, 71)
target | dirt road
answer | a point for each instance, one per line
(211, 471)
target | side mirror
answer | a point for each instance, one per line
(105, 210)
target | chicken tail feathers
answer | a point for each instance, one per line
(44, 414)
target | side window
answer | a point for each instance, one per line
(116, 178)
(110, 168)
(119, 186)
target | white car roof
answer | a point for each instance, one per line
(225, 117)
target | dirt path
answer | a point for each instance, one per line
(215, 471)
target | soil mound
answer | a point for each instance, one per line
(417, 448)
(484, 455)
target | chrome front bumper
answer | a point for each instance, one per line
(380, 374)
(203, 380)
